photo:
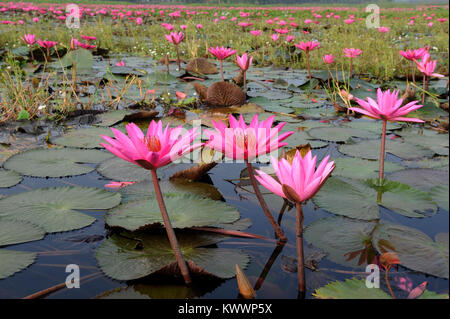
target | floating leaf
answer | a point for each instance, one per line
(128, 256)
(420, 178)
(438, 143)
(302, 138)
(361, 169)
(440, 195)
(9, 178)
(16, 232)
(350, 289)
(84, 138)
(371, 125)
(112, 117)
(145, 189)
(55, 162)
(14, 261)
(371, 149)
(436, 162)
(184, 211)
(347, 241)
(338, 134)
(415, 250)
(360, 199)
(53, 208)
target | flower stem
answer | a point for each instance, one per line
(307, 62)
(413, 75)
(263, 204)
(351, 67)
(221, 69)
(178, 58)
(245, 82)
(424, 88)
(388, 283)
(300, 254)
(170, 232)
(382, 151)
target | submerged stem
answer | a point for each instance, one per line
(263, 204)
(388, 283)
(170, 232)
(300, 253)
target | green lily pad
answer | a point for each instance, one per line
(84, 138)
(371, 125)
(302, 138)
(432, 295)
(81, 58)
(440, 195)
(12, 261)
(344, 236)
(133, 255)
(53, 209)
(110, 118)
(16, 232)
(184, 211)
(338, 134)
(371, 149)
(361, 169)
(55, 162)
(9, 178)
(350, 289)
(415, 249)
(420, 178)
(363, 94)
(359, 199)
(145, 189)
(438, 143)
(121, 170)
(436, 162)
(270, 94)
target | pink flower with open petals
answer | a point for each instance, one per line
(155, 149)
(275, 37)
(255, 33)
(352, 52)
(412, 55)
(221, 53)
(426, 66)
(29, 39)
(301, 177)
(383, 29)
(245, 142)
(387, 107)
(328, 58)
(116, 185)
(174, 37)
(46, 44)
(308, 46)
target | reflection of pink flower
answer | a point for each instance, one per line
(120, 63)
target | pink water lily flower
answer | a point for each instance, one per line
(116, 185)
(383, 29)
(221, 53)
(412, 55)
(352, 52)
(245, 142)
(155, 149)
(301, 176)
(290, 38)
(88, 38)
(174, 37)
(427, 67)
(328, 58)
(244, 61)
(387, 107)
(46, 44)
(120, 63)
(29, 39)
(275, 37)
(255, 33)
(199, 26)
(308, 46)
